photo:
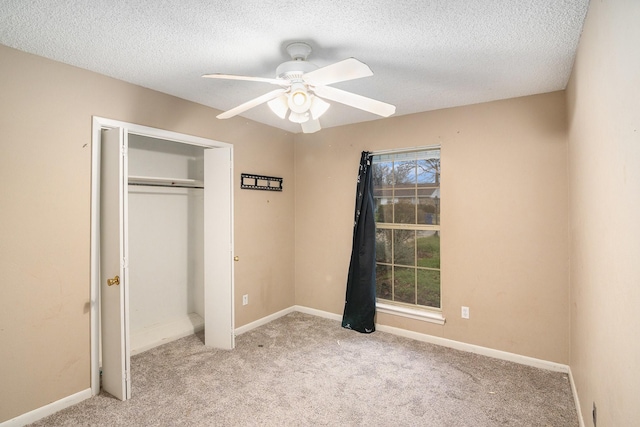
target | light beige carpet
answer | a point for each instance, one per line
(301, 370)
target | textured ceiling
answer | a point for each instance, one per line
(425, 54)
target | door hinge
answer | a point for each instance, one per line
(123, 150)
(124, 263)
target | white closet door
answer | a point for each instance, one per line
(113, 247)
(218, 247)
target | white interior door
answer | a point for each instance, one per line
(218, 249)
(113, 269)
(109, 249)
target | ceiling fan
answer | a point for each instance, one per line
(304, 88)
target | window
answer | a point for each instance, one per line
(406, 191)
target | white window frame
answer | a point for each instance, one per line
(412, 311)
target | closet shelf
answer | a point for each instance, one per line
(165, 182)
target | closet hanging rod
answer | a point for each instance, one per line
(165, 182)
(139, 184)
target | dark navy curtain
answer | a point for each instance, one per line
(360, 302)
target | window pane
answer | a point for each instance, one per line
(429, 210)
(383, 282)
(383, 246)
(428, 249)
(404, 247)
(405, 285)
(429, 288)
(383, 209)
(428, 171)
(383, 190)
(405, 209)
(405, 173)
(405, 191)
(382, 173)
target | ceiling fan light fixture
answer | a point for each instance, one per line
(299, 99)
(298, 117)
(279, 106)
(311, 126)
(318, 107)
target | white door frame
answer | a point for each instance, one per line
(98, 124)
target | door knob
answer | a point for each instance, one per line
(114, 281)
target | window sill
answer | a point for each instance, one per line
(411, 313)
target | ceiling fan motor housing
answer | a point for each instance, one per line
(298, 50)
(293, 70)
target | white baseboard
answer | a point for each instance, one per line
(471, 348)
(319, 313)
(263, 321)
(45, 411)
(153, 336)
(576, 399)
(270, 318)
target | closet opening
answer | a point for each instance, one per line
(166, 241)
(161, 245)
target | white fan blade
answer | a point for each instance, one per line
(279, 82)
(358, 101)
(252, 103)
(311, 126)
(349, 69)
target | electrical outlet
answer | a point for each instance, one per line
(465, 312)
(245, 299)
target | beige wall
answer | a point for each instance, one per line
(504, 237)
(604, 188)
(45, 177)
